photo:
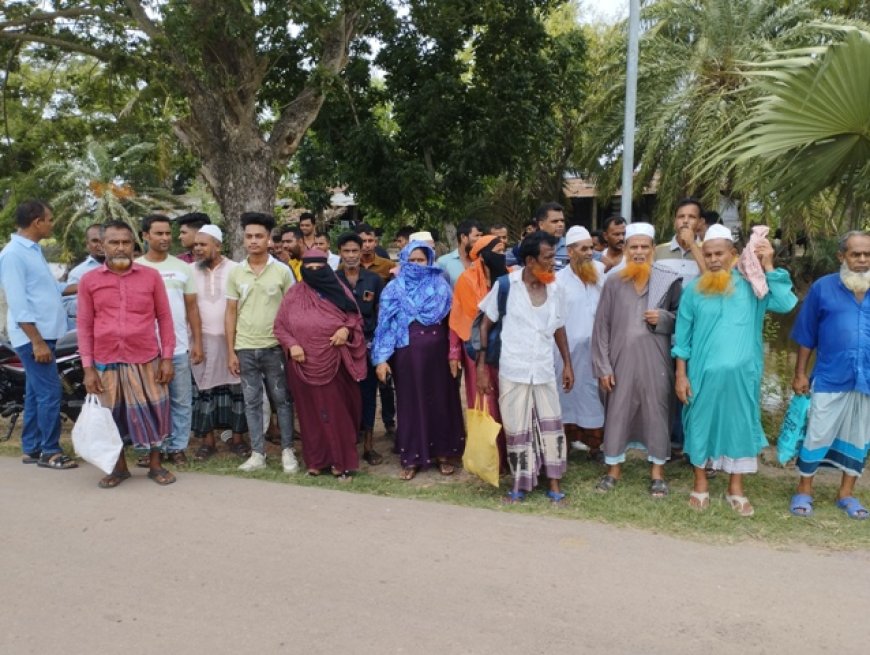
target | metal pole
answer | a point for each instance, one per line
(630, 108)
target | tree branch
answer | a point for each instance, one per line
(63, 44)
(47, 17)
(297, 116)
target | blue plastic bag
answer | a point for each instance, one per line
(794, 429)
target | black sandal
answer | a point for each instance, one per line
(241, 449)
(658, 488)
(161, 476)
(204, 453)
(373, 457)
(31, 458)
(57, 461)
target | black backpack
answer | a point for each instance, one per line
(493, 344)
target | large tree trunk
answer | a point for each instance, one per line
(241, 184)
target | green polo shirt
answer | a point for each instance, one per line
(259, 297)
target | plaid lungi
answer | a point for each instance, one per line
(219, 407)
(139, 405)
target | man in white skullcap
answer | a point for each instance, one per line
(581, 282)
(631, 343)
(218, 403)
(720, 362)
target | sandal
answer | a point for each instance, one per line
(204, 453)
(701, 498)
(177, 457)
(113, 480)
(161, 476)
(853, 508)
(658, 488)
(408, 473)
(446, 468)
(341, 476)
(801, 505)
(144, 461)
(741, 505)
(606, 483)
(556, 497)
(31, 458)
(513, 497)
(57, 461)
(241, 449)
(372, 457)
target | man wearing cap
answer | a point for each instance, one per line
(581, 282)
(720, 361)
(218, 400)
(631, 344)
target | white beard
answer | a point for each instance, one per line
(855, 282)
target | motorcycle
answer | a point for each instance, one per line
(12, 381)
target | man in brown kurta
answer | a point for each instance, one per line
(631, 359)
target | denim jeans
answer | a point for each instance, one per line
(40, 432)
(180, 403)
(259, 365)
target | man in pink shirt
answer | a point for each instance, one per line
(124, 362)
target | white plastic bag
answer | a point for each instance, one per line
(95, 436)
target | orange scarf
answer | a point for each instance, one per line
(471, 287)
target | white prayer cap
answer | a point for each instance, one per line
(426, 237)
(640, 230)
(575, 234)
(213, 231)
(718, 232)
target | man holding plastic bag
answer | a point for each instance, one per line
(124, 363)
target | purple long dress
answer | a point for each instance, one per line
(429, 409)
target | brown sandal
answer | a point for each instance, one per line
(446, 468)
(408, 473)
(161, 476)
(113, 480)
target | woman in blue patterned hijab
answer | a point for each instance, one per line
(412, 334)
(419, 293)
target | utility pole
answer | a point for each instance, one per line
(630, 108)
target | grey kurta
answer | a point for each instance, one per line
(637, 411)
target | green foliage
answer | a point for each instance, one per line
(810, 129)
(471, 93)
(691, 93)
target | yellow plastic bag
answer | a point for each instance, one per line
(481, 452)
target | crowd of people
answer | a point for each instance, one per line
(606, 340)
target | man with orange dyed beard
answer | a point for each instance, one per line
(581, 282)
(720, 362)
(631, 358)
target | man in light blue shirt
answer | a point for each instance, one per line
(456, 261)
(96, 257)
(36, 319)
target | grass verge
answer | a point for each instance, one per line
(629, 505)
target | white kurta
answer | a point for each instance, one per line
(582, 405)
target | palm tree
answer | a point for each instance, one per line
(95, 186)
(691, 92)
(809, 132)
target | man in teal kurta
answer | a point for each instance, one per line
(720, 361)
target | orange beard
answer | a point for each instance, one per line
(637, 273)
(715, 283)
(542, 276)
(587, 272)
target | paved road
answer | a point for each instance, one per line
(226, 565)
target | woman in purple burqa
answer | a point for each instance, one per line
(321, 328)
(412, 343)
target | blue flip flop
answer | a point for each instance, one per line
(513, 497)
(853, 508)
(801, 505)
(556, 497)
